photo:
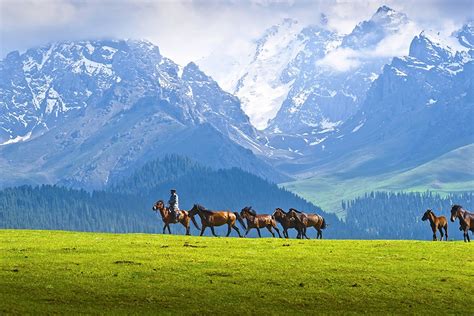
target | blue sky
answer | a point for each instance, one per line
(188, 30)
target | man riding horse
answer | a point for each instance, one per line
(174, 206)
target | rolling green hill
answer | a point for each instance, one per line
(66, 272)
(452, 172)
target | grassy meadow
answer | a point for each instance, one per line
(72, 272)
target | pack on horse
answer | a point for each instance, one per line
(309, 220)
(259, 221)
(286, 222)
(466, 220)
(168, 218)
(437, 223)
(216, 218)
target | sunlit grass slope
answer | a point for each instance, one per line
(452, 172)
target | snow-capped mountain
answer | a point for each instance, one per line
(305, 81)
(420, 107)
(85, 112)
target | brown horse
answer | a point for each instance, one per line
(466, 220)
(309, 220)
(184, 217)
(216, 218)
(301, 222)
(286, 222)
(259, 221)
(437, 223)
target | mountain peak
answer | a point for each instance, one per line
(428, 48)
(384, 9)
(385, 21)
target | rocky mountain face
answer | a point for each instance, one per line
(420, 107)
(304, 82)
(85, 113)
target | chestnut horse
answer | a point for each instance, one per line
(216, 218)
(286, 222)
(259, 221)
(309, 220)
(466, 220)
(184, 217)
(301, 221)
(437, 223)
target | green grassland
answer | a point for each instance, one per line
(452, 172)
(69, 272)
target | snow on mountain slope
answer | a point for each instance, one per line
(259, 87)
(419, 108)
(85, 113)
(331, 76)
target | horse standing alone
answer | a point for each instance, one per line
(466, 220)
(437, 223)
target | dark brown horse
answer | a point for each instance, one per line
(184, 217)
(301, 222)
(309, 220)
(259, 221)
(437, 223)
(466, 220)
(286, 222)
(216, 218)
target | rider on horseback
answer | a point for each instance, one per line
(174, 206)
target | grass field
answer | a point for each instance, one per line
(66, 272)
(451, 172)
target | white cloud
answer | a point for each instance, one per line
(187, 30)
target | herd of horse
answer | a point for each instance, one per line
(291, 219)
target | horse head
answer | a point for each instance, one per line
(427, 214)
(456, 211)
(278, 213)
(159, 205)
(246, 211)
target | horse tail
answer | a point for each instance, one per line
(323, 225)
(239, 218)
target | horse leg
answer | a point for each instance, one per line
(441, 233)
(203, 228)
(258, 231)
(270, 230)
(285, 232)
(238, 230)
(304, 233)
(247, 231)
(278, 231)
(164, 228)
(213, 231)
(169, 230)
(228, 229)
(185, 223)
(320, 234)
(446, 232)
(434, 233)
(466, 234)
